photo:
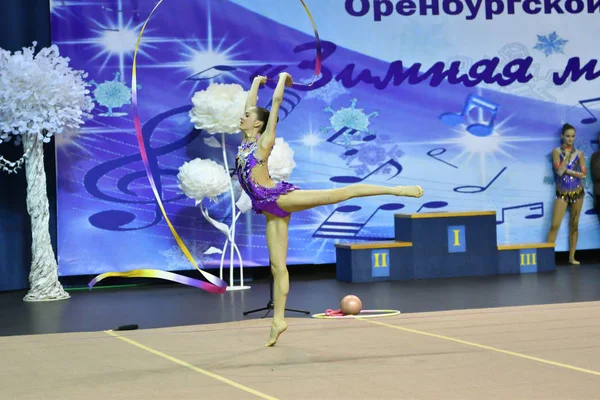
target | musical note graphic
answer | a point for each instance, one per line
(341, 229)
(347, 132)
(290, 97)
(593, 118)
(356, 179)
(114, 220)
(592, 211)
(477, 129)
(442, 151)
(433, 205)
(537, 207)
(477, 189)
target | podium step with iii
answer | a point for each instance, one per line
(526, 258)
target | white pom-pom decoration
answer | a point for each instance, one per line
(203, 178)
(218, 109)
(281, 161)
(40, 94)
(244, 204)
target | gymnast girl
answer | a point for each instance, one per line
(569, 171)
(277, 201)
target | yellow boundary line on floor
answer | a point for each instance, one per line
(481, 346)
(190, 366)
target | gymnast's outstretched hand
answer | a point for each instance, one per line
(288, 79)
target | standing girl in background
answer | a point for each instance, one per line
(570, 171)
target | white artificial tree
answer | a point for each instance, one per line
(40, 96)
(218, 109)
(203, 178)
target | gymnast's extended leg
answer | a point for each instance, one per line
(277, 241)
(301, 200)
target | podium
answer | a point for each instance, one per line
(440, 245)
(526, 258)
(372, 262)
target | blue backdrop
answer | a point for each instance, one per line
(466, 104)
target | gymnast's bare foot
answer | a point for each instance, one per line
(409, 191)
(277, 328)
(574, 261)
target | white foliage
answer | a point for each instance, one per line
(281, 161)
(213, 250)
(203, 178)
(218, 109)
(244, 204)
(40, 94)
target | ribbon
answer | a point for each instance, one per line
(319, 57)
(216, 284)
(157, 273)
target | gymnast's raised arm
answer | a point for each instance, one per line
(253, 92)
(267, 140)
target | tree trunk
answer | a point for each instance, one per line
(43, 277)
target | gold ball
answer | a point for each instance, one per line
(351, 305)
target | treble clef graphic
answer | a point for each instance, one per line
(115, 220)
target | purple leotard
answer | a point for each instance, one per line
(264, 199)
(569, 188)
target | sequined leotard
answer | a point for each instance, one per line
(569, 188)
(264, 199)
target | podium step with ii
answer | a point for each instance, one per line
(374, 261)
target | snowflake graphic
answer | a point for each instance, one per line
(112, 94)
(540, 87)
(329, 92)
(372, 156)
(351, 118)
(550, 44)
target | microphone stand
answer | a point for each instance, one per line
(270, 304)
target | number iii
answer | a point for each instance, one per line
(528, 259)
